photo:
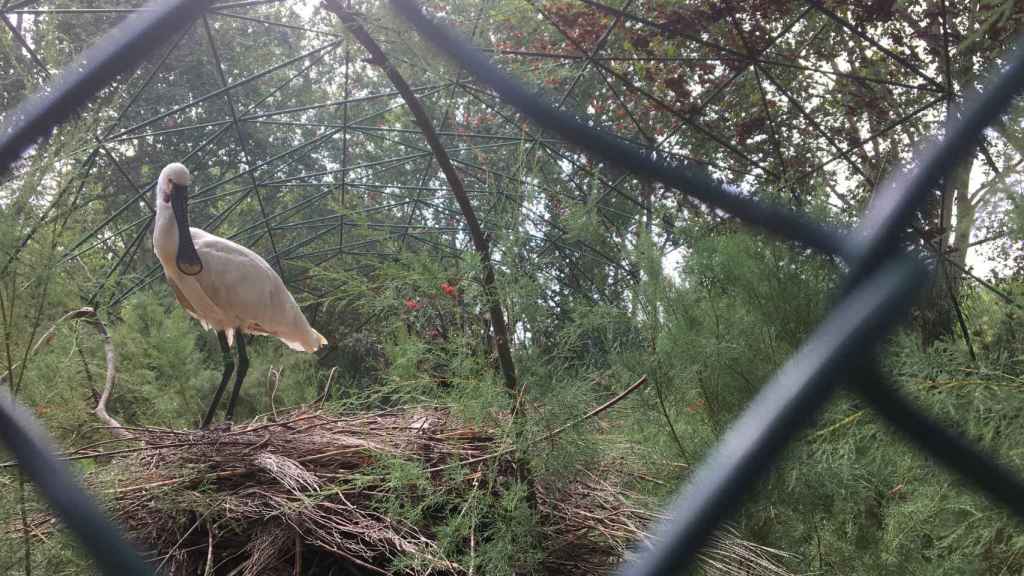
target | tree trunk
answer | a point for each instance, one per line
(949, 239)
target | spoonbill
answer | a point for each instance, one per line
(224, 285)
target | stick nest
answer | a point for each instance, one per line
(364, 494)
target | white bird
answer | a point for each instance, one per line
(224, 285)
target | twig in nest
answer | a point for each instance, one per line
(209, 551)
(273, 379)
(108, 453)
(182, 540)
(327, 387)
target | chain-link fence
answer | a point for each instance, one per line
(882, 281)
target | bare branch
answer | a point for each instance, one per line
(111, 378)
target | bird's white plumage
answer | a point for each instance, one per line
(236, 290)
(177, 173)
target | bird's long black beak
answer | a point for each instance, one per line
(188, 259)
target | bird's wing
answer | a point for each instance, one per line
(245, 288)
(237, 279)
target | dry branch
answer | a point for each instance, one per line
(111, 378)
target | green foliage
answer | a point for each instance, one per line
(157, 384)
(864, 502)
(511, 538)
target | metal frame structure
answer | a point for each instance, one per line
(221, 122)
(120, 235)
(882, 281)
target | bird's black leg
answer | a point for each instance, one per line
(243, 367)
(229, 367)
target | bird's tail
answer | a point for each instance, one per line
(320, 341)
(311, 342)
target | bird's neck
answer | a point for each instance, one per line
(165, 235)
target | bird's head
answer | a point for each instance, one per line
(174, 180)
(172, 188)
